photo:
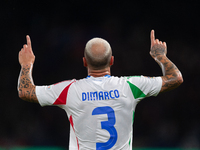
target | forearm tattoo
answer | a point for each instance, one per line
(26, 87)
(172, 77)
(172, 74)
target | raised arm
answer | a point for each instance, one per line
(26, 87)
(172, 77)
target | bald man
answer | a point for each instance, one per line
(100, 107)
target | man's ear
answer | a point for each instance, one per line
(111, 60)
(84, 62)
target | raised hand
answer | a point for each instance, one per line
(26, 87)
(26, 55)
(157, 47)
(172, 77)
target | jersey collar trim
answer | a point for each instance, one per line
(108, 76)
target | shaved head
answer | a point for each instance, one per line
(98, 53)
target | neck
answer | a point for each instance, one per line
(99, 73)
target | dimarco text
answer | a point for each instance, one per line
(100, 95)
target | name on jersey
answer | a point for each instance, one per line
(101, 95)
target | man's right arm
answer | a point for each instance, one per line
(172, 77)
(26, 87)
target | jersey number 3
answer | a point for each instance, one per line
(107, 125)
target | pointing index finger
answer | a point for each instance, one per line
(152, 37)
(28, 40)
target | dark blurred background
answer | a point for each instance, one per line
(59, 31)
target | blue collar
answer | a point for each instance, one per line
(108, 76)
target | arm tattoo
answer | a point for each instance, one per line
(157, 50)
(172, 77)
(26, 87)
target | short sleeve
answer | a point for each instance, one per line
(142, 86)
(48, 95)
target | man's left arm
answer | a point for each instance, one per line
(26, 87)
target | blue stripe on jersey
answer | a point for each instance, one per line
(87, 77)
(108, 76)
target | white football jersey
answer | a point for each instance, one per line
(100, 109)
